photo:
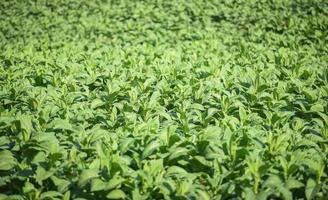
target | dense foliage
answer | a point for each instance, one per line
(163, 99)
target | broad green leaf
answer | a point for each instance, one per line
(177, 152)
(292, 183)
(175, 170)
(3, 197)
(67, 195)
(184, 187)
(125, 144)
(242, 114)
(26, 123)
(41, 174)
(311, 189)
(97, 185)
(49, 142)
(116, 194)
(87, 175)
(168, 186)
(97, 103)
(62, 184)
(15, 197)
(203, 195)
(62, 124)
(7, 160)
(50, 194)
(4, 142)
(287, 194)
(114, 182)
(28, 187)
(154, 167)
(317, 108)
(249, 194)
(150, 149)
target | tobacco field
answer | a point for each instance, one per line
(181, 100)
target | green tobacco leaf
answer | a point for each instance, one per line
(292, 184)
(167, 187)
(49, 142)
(26, 123)
(150, 149)
(184, 187)
(287, 194)
(242, 114)
(97, 185)
(125, 144)
(175, 170)
(41, 174)
(67, 195)
(86, 176)
(116, 194)
(50, 195)
(249, 194)
(202, 195)
(114, 182)
(62, 184)
(97, 103)
(155, 167)
(15, 197)
(62, 124)
(3, 197)
(311, 189)
(317, 108)
(28, 188)
(96, 134)
(177, 152)
(7, 160)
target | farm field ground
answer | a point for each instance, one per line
(163, 99)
